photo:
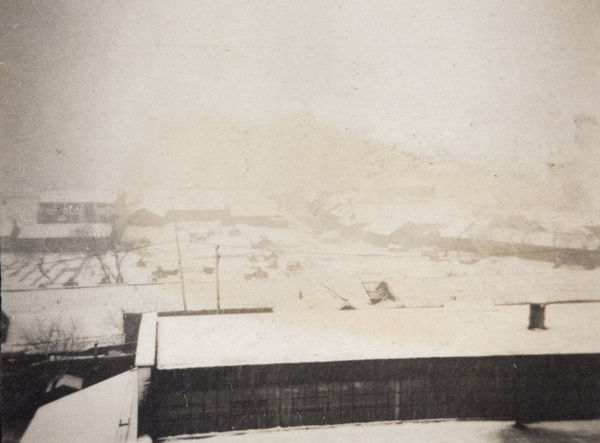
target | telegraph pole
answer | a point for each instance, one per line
(217, 258)
(180, 267)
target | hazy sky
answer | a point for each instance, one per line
(88, 88)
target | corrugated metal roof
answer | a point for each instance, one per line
(258, 294)
(280, 338)
(129, 298)
(247, 294)
(499, 289)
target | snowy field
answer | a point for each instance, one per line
(282, 253)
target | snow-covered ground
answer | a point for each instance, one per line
(283, 253)
(420, 431)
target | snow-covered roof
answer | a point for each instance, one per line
(79, 196)
(259, 294)
(145, 352)
(385, 226)
(104, 412)
(457, 229)
(361, 213)
(64, 331)
(280, 338)
(65, 230)
(208, 199)
(255, 209)
(498, 289)
(129, 298)
(539, 238)
(561, 240)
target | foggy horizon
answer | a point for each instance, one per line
(103, 95)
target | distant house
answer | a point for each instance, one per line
(263, 243)
(145, 218)
(385, 231)
(63, 237)
(455, 237)
(77, 207)
(353, 217)
(258, 274)
(257, 214)
(197, 205)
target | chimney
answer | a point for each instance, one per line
(537, 314)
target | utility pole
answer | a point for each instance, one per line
(180, 268)
(217, 258)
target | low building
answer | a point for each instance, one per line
(385, 231)
(61, 238)
(96, 206)
(198, 205)
(234, 372)
(259, 213)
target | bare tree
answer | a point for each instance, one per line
(53, 335)
(40, 260)
(117, 249)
